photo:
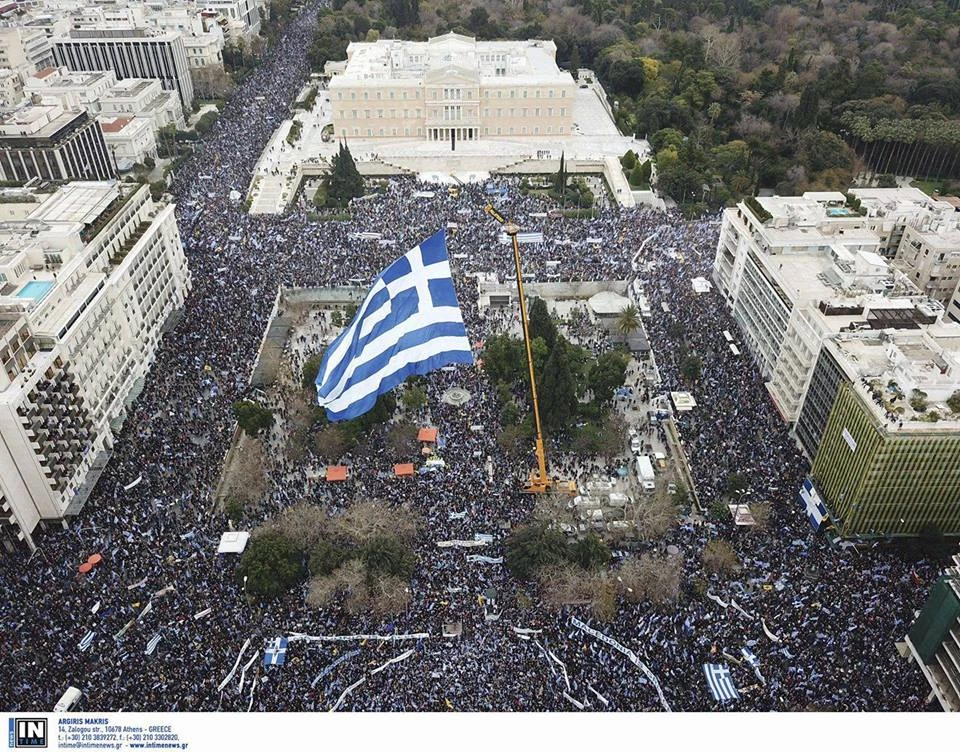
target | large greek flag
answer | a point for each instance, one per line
(720, 682)
(816, 510)
(409, 324)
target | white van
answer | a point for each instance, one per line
(68, 701)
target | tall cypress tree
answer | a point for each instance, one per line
(344, 181)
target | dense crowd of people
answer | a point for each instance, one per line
(823, 630)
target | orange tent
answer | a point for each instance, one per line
(94, 560)
(336, 472)
(428, 435)
(85, 567)
(403, 469)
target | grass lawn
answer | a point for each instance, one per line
(931, 186)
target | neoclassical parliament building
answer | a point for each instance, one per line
(451, 88)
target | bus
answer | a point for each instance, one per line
(68, 700)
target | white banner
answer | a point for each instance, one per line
(525, 631)
(347, 691)
(485, 559)
(234, 669)
(627, 652)
(575, 703)
(326, 670)
(600, 697)
(733, 602)
(350, 638)
(717, 599)
(460, 543)
(243, 672)
(769, 634)
(401, 657)
(134, 484)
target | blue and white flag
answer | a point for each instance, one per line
(152, 644)
(86, 641)
(409, 324)
(720, 682)
(275, 651)
(753, 662)
(810, 498)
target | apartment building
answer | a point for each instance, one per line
(143, 98)
(23, 49)
(797, 269)
(931, 258)
(11, 89)
(129, 53)
(881, 421)
(72, 91)
(451, 88)
(90, 279)
(51, 143)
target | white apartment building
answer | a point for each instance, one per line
(24, 50)
(143, 98)
(812, 269)
(451, 88)
(72, 91)
(246, 12)
(11, 89)
(203, 36)
(130, 53)
(129, 140)
(90, 281)
(931, 258)
(890, 210)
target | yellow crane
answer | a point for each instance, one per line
(539, 481)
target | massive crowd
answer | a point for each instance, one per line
(832, 615)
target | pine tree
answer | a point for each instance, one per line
(560, 179)
(574, 60)
(344, 181)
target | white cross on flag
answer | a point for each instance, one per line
(275, 651)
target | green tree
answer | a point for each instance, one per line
(574, 59)
(311, 367)
(808, 109)
(953, 402)
(629, 160)
(328, 556)
(560, 178)
(504, 359)
(590, 552)
(532, 547)
(252, 417)
(628, 320)
(385, 555)
(414, 398)
(607, 375)
(344, 181)
(690, 368)
(557, 392)
(541, 323)
(271, 564)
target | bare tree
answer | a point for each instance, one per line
(654, 516)
(720, 558)
(303, 524)
(212, 82)
(246, 476)
(762, 515)
(651, 577)
(402, 440)
(365, 520)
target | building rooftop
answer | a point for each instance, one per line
(892, 368)
(492, 62)
(80, 201)
(115, 126)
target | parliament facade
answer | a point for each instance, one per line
(451, 88)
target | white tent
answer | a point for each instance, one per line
(233, 543)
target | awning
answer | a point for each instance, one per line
(403, 469)
(428, 435)
(336, 472)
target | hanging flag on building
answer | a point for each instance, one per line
(720, 682)
(816, 510)
(275, 651)
(409, 324)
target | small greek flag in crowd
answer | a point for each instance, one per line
(87, 641)
(750, 657)
(409, 324)
(816, 510)
(275, 651)
(720, 682)
(152, 645)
